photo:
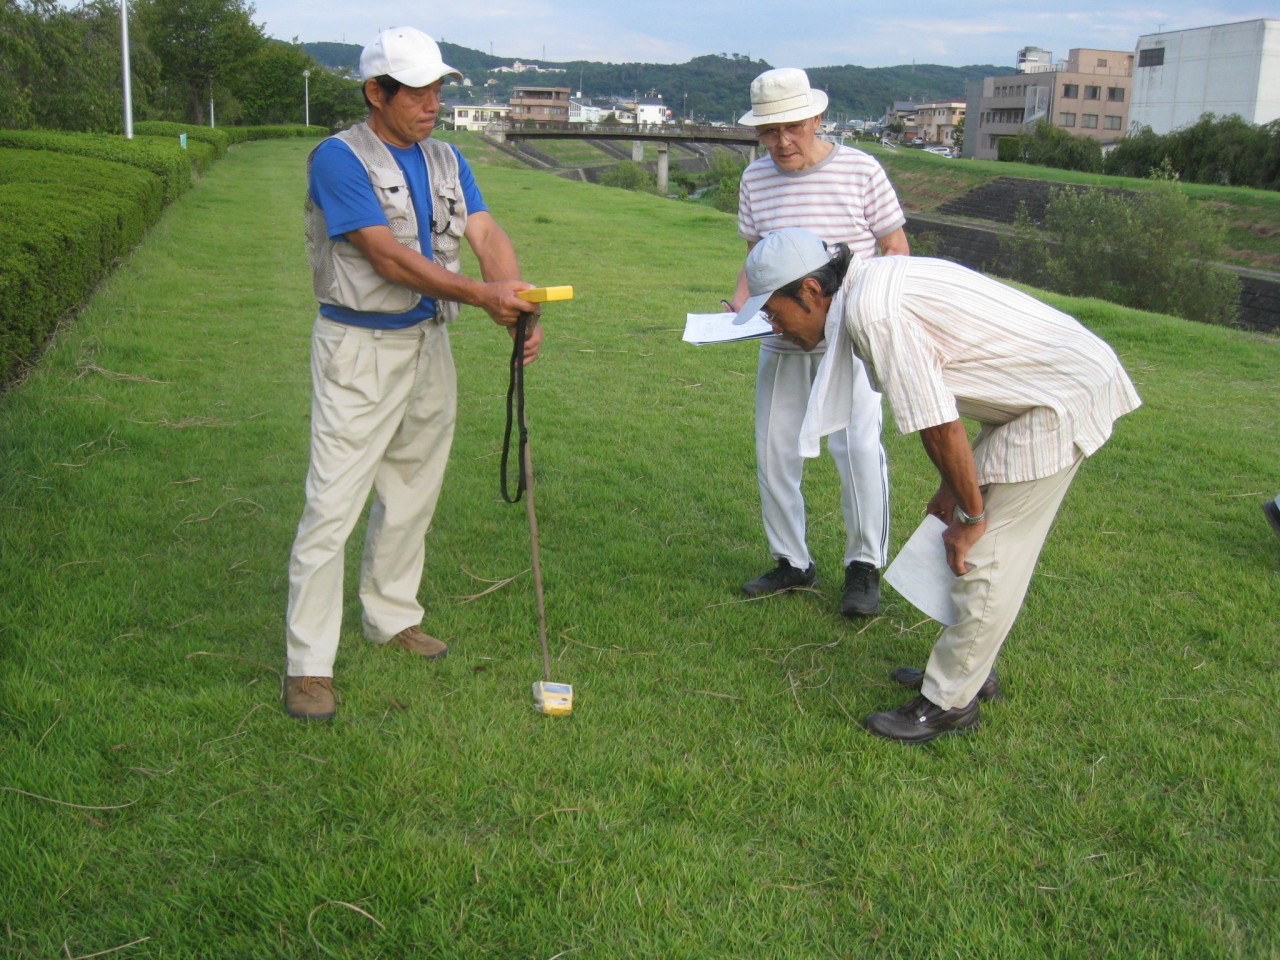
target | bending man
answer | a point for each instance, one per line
(942, 342)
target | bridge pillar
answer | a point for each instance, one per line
(664, 163)
(637, 151)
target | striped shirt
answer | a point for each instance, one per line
(942, 341)
(843, 198)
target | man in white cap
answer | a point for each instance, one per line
(843, 195)
(944, 342)
(386, 211)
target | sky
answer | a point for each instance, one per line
(802, 33)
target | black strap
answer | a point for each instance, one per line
(515, 388)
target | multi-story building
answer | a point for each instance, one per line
(1231, 68)
(539, 104)
(469, 117)
(936, 120)
(1088, 93)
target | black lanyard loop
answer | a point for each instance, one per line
(515, 390)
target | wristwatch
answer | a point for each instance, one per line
(971, 521)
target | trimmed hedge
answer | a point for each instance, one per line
(73, 204)
(64, 223)
(162, 157)
(223, 137)
(220, 140)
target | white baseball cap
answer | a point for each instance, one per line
(783, 96)
(405, 54)
(782, 257)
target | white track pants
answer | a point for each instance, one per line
(382, 416)
(989, 597)
(783, 383)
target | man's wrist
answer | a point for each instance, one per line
(970, 520)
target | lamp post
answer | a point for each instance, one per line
(124, 62)
(306, 97)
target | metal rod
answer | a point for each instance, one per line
(527, 462)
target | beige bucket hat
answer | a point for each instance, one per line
(783, 96)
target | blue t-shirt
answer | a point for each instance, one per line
(340, 188)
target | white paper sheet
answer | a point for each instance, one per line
(920, 573)
(704, 328)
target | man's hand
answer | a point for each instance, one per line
(958, 538)
(498, 299)
(532, 340)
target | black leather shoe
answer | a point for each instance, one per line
(861, 597)
(781, 578)
(922, 720)
(913, 677)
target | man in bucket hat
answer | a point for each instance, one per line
(944, 342)
(843, 195)
(386, 211)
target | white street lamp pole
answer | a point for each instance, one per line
(306, 97)
(124, 60)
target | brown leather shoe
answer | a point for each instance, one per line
(424, 645)
(310, 698)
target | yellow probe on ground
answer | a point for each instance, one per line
(553, 699)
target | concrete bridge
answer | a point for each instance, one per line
(664, 134)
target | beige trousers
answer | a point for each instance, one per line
(989, 597)
(382, 415)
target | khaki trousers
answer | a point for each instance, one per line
(989, 597)
(382, 417)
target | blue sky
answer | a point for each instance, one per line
(805, 33)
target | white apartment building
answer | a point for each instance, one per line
(1231, 68)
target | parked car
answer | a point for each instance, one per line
(939, 151)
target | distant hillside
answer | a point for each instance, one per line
(712, 87)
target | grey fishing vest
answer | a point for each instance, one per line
(341, 275)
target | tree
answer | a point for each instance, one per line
(957, 137)
(1221, 150)
(198, 44)
(1048, 146)
(60, 68)
(269, 88)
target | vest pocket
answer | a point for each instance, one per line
(357, 285)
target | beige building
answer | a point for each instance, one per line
(540, 104)
(936, 121)
(1086, 94)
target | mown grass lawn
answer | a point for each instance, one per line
(713, 794)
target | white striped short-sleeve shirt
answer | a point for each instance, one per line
(844, 198)
(942, 341)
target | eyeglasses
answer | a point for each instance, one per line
(770, 136)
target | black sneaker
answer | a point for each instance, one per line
(1273, 514)
(781, 578)
(861, 597)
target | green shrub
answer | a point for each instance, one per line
(630, 176)
(64, 223)
(160, 156)
(1154, 251)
